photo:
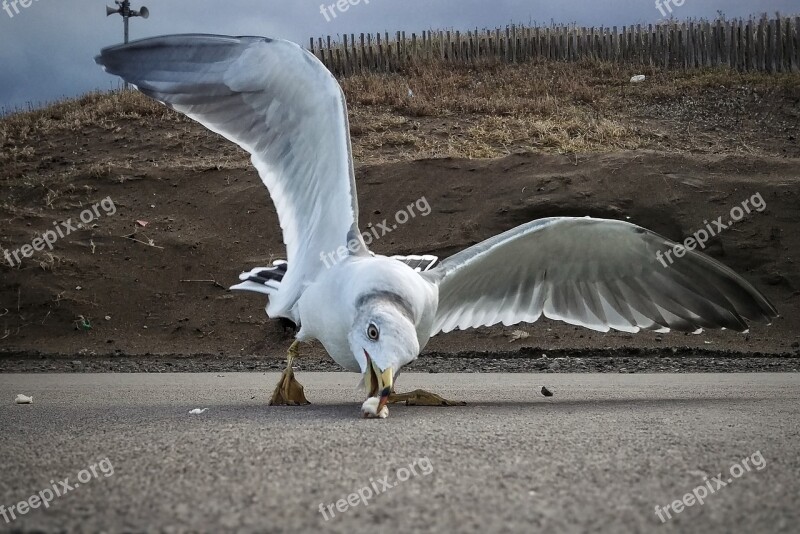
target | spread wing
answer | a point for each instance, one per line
(596, 273)
(279, 103)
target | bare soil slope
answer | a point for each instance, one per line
(561, 140)
(212, 224)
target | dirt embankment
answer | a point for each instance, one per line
(568, 139)
(160, 289)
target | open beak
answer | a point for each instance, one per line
(378, 382)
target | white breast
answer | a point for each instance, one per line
(327, 307)
(327, 311)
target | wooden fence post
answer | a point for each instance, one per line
(770, 45)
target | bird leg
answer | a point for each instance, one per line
(289, 392)
(420, 397)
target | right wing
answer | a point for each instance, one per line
(278, 102)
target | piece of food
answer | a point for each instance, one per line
(370, 409)
(23, 399)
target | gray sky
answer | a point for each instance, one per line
(47, 49)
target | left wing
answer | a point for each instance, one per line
(596, 273)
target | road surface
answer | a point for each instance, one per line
(599, 455)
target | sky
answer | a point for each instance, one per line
(47, 48)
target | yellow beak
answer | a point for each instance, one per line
(385, 387)
(378, 382)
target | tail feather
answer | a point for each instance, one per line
(265, 288)
(266, 280)
(418, 263)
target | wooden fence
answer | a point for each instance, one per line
(768, 45)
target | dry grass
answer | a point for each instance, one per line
(494, 109)
(21, 133)
(459, 111)
(93, 109)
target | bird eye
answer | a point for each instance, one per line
(372, 332)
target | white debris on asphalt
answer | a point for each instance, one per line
(370, 408)
(638, 78)
(23, 399)
(197, 411)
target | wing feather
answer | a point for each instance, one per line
(597, 273)
(279, 103)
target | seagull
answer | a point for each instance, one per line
(373, 313)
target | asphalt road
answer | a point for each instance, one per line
(597, 456)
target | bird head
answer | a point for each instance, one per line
(383, 338)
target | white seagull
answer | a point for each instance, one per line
(372, 313)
